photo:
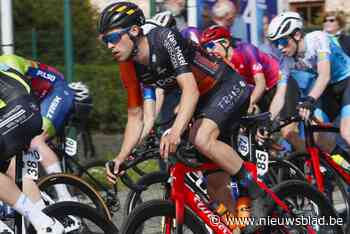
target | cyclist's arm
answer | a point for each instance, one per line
(278, 100)
(134, 126)
(159, 100)
(259, 89)
(149, 111)
(188, 102)
(324, 76)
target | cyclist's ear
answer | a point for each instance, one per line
(135, 31)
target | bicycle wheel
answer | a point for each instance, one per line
(79, 190)
(149, 218)
(280, 171)
(306, 203)
(155, 189)
(89, 220)
(95, 174)
(335, 187)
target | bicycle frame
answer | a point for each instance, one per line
(182, 194)
(316, 154)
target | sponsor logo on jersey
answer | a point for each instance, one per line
(46, 75)
(53, 106)
(176, 56)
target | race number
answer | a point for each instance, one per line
(31, 161)
(262, 162)
(71, 147)
(243, 145)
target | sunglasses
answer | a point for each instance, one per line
(329, 20)
(281, 42)
(212, 44)
(114, 37)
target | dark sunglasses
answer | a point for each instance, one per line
(281, 42)
(329, 20)
(114, 37)
(211, 45)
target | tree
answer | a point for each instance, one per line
(47, 18)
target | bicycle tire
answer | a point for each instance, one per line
(134, 197)
(60, 178)
(281, 170)
(298, 159)
(64, 209)
(291, 188)
(157, 208)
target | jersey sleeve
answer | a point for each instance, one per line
(175, 46)
(253, 59)
(131, 84)
(322, 46)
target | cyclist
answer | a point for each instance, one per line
(211, 90)
(20, 122)
(56, 100)
(260, 70)
(316, 53)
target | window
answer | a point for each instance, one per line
(310, 10)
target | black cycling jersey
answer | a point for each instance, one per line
(172, 55)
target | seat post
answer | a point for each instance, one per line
(19, 183)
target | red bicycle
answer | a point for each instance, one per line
(321, 170)
(187, 209)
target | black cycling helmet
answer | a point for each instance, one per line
(120, 15)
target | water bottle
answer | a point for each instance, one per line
(341, 161)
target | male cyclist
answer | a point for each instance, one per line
(316, 53)
(56, 100)
(260, 70)
(20, 121)
(211, 90)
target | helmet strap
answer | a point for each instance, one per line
(135, 41)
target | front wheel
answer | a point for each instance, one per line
(78, 189)
(78, 218)
(152, 216)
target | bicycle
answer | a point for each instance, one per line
(68, 213)
(189, 206)
(319, 168)
(278, 170)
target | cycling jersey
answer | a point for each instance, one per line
(250, 61)
(170, 56)
(46, 83)
(319, 47)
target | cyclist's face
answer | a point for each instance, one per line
(288, 49)
(119, 42)
(218, 46)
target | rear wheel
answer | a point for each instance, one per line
(307, 204)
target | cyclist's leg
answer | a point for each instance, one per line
(218, 189)
(54, 108)
(15, 135)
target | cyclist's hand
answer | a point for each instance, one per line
(252, 109)
(112, 169)
(168, 144)
(262, 135)
(306, 107)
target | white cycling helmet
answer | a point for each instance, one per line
(284, 25)
(164, 19)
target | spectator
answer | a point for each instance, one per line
(334, 24)
(224, 13)
(178, 9)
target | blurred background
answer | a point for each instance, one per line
(62, 33)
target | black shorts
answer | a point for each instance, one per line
(291, 99)
(20, 121)
(335, 97)
(226, 102)
(266, 99)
